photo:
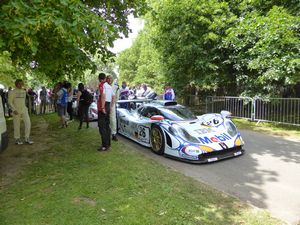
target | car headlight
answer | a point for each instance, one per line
(231, 128)
(179, 131)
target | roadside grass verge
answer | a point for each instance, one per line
(271, 128)
(62, 179)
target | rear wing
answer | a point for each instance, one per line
(165, 102)
(146, 100)
(136, 103)
(135, 100)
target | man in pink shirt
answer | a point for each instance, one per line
(105, 98)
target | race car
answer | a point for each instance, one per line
(172, 130)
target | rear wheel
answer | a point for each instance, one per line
(157, 140)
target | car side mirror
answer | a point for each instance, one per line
(157, 117)
(226, 114)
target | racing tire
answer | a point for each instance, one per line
(157, 140)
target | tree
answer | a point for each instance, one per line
(55, 37)
(8, 72)
(141, 63)
(228, 47)
(187, 36)
(265, 51)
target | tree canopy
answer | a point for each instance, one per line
(227, 47)
(57, 38)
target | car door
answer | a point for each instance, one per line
(144, 128)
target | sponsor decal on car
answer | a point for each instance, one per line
(186, 156)
(191, 151)
(204, 130)
(216, 138)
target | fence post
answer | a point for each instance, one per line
(253, 109)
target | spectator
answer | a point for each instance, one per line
(146, 90)
(32, 100)
(169, 92)
(105, 98)
(50, 97)
(70, 101)
(56, 88)
(83, 105)
(124, 93)
(113, 119)
(139, 91)
(16, 100)
(43, 98)
(61, 104)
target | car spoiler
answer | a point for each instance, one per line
(165, 102)
(135, 100)
(160, 102)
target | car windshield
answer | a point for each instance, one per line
(177, 113)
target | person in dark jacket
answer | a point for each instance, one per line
(83, 106)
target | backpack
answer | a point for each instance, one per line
(64, 98)
(87, 97)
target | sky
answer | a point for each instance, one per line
(135, 24)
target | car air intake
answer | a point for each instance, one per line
(170, 103)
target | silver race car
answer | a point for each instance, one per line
(173, 130)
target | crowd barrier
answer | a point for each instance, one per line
(279, 110)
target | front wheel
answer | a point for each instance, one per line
(157, 140)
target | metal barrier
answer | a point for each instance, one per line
(240, 107)
(279, 110)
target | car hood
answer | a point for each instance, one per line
(214, 137)
(197, 128)
(207, 134)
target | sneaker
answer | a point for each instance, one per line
(19, 142)
(114, 137)
(28, 141)
(105, 148)
(101, 148)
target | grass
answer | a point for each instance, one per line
(270, 128)
(62, 179)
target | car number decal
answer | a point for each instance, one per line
(143, 134)
(212, 120)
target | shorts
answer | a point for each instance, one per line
(61, 110)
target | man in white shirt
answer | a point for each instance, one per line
(113, 119)
(146, 90)
(16, 101)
